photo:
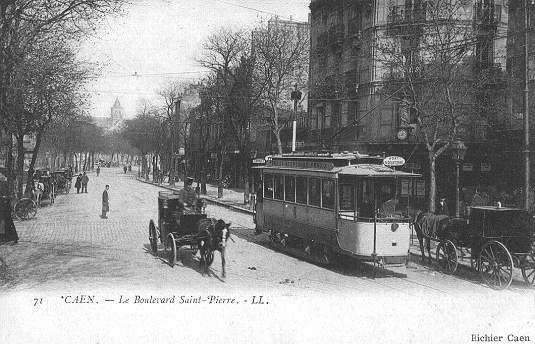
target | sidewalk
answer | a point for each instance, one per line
(231, 198)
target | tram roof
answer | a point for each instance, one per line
(372, 170)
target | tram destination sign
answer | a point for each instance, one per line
(314, 165)
(392, 161)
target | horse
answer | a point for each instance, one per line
(38, 190)
(427, 226)
(212, 236)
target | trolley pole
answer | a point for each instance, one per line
(526, 108)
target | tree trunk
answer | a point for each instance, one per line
(432, 182)
(75, 163)
(203, 173)
(20, 165)
(220, 177)
(172, 164)
(279, 143)
(10, 168)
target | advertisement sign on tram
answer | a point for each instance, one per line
(393, 161)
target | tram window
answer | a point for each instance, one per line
(289, 187)
(347, 197)
(365, 201)
(327, 194)
(301, 190)
(279, 187)
(268, 186)
(314, 191)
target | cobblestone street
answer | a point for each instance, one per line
(68, 249)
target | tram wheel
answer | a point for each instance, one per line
(528, 268)
(153, 237)
(496, 265)
(172, 253)
(447, 256)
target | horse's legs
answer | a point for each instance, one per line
(202, 262)
(420, 237)
(428, 245)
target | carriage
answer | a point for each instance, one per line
(49, 188)
(321, 205)
(176, 225)
(498, 239)
(63, 180)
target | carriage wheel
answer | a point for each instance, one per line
(172, 254)
(25, 208)
(496, 265)
(447, 256)
(528, 268)
(153, 237)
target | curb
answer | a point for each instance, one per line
(207, 198)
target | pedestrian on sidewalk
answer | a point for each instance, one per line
(98, 170)
(105, 203)
(443, 207)
(78, 183)
(85, 180)
(8, 231)
(125, 168)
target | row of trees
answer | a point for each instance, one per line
(247, 89)
(40, 72)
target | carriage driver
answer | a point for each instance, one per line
(187, 195)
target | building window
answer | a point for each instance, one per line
(301, 190)
(268, 186)
(327, 194)
(289, 185)
(314, 192)
(279, 187)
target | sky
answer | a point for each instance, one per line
(154, 41)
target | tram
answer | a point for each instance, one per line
(326, 204)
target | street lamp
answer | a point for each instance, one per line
(458, 151)
(296, 96)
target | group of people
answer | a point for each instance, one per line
(81, 182)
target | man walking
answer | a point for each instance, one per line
(98, 170)
(78, 183)
(85, 180)
(105, 203)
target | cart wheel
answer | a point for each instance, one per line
(496, 265)
(528, 268)
(153, 237)
(25, 208)
(172, 254)
(447, 256)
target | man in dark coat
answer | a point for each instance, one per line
(85, 180)
(78, 183)
(105, 203)
(7, 227)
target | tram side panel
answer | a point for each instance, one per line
(392, 239)
(305, 222)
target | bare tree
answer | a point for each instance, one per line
(281, 54)
(427, 59)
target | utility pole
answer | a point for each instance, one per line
(526, 108)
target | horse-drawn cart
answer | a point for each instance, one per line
(63, 180)
(176, 225)
(497, 238)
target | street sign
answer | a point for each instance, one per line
(259, 161)
(392, 161)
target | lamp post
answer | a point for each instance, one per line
(526, 106)
(296, 96)
(458, 151)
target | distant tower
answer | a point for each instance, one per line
(117, 112)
